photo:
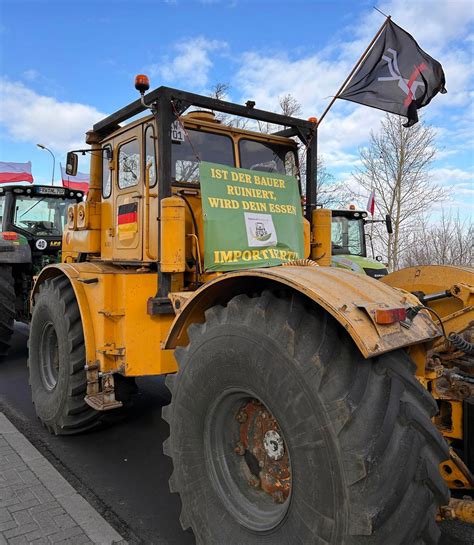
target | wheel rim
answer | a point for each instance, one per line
(248, 460)
(49, 357)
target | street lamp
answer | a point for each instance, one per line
(41, 146)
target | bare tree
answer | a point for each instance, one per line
(220, 91)
(330, 193)
(396, 164)
(289, 106)
(449, 241)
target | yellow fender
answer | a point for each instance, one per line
(352, 299)
(430, 278)
(75, 272)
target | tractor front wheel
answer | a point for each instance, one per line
(56, 360)
(281, 433)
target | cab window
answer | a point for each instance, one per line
(347, 236)
(106, 173)
(206, 146)
(267, 157)
(41, 216)
(150, 153)
(128, 164)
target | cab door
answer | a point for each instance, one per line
(128, 205)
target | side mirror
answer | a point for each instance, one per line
(71, 163)
(388, 223)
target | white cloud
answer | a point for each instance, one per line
(191, 64)
(312, 81)
(266, 77)
(439, 28)
(31, 74)
(462, 180)
(29, 117)
(433, 24)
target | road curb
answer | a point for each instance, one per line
(94, 526)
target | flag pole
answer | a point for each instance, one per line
(359, 62)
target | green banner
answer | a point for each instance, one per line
(251, 218)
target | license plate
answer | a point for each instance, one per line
(177, 132)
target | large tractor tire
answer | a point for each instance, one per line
(282, 434)
(7, 308)
(56, 360)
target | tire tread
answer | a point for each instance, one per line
(390, 468)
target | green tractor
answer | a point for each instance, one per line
(349, 243)
(31, 227)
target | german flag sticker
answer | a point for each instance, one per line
(127, 220)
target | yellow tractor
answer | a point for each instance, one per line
(309, 403)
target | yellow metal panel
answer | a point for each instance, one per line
(307, 238)
(455, 472)
(119, 334)
(432, 279)
(108, 229)
(81, 241)
(344, 294)
(172, 248)
(88, 215)
(321, 235)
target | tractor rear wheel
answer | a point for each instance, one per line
(281, 433)
(56, 360)
(7, 308)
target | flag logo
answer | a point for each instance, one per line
(408, 86)
(127, 220)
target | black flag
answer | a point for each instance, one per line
(397, 76)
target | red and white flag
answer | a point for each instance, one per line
(80, 182)
(371, 203)
(15, 172)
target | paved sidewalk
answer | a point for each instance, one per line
(37, 505)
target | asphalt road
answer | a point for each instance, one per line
(121, 469)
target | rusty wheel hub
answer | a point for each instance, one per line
(263, 446)
(253, 476)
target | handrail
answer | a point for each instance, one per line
(147, 212)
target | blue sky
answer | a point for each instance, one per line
(64, 65)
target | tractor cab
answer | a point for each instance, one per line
(32, 220)
(130, 192)
(349, 244)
